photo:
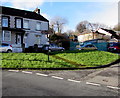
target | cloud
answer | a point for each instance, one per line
(108, 16)
(23, 4)
(67, 28)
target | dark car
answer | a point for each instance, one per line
(114, 47)
(52, 47)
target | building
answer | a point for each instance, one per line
(21, 27)
(89, 35)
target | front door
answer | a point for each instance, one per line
(18, 39)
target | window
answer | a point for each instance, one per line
(6, 36)
(26, 24)
(5, 21)
(89, 46)
(38, 26)
(18, 23)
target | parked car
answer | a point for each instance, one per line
(6, 48)
(114, 47)
(88, 47)
(52, 47)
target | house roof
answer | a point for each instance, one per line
(112, 32)
(89, 32)
(22, 13)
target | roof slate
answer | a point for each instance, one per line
(22, 13)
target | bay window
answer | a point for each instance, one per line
(6, 35)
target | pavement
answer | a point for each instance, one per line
(107, 76)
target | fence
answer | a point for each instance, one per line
(102, 46)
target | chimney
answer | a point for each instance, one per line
(37, 11)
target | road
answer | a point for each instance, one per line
(33, 84)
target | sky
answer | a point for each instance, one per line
(74, 11)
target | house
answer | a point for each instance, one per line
(23, 28)
(114, 36)
(103, 42)
(89, 35)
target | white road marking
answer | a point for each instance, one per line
(62, 78)
(74, 80)
(57, 77)
(41, 74)
(27, 72)
(113, 87)
(92, 84)
(13, 70)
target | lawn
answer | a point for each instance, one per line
(89, 58)
(32, 60)
(66, 59)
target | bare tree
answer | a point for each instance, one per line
(117, 27)
(57, 23)
(85, 25)
(82, 26)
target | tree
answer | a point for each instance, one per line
(57, 23)
(51, 31)
(61, 40)
(82, 26)
(117, 27)
(85, 25)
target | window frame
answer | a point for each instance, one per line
(28, 24)
(16, 18)
(39, 27)
(8, 25)
(4, 35)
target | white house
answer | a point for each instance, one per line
(23, 27)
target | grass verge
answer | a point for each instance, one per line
(66, 59)
(89, 58)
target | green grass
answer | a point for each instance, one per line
(89, 58)
(68, 58)
(31, 60)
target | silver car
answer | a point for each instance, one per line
(4, 47)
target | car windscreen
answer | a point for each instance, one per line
(3, 44)
(89, 46)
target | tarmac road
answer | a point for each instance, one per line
(35, 84)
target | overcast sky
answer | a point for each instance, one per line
(74, 11)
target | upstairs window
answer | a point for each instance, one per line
(26, 24)
(5, 21)
(38, 26)
(18, 22)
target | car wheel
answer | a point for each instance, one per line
(9, 51)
